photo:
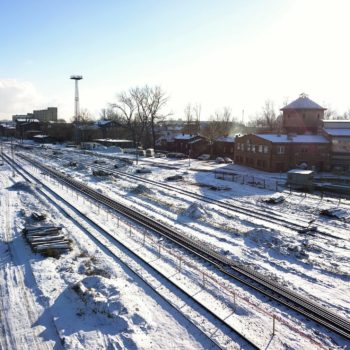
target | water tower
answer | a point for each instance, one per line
(76, 104)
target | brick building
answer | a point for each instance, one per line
(302, 143)
(275, 153)
(187, 143)
(302, 116)
(224, 147)
(338, 133)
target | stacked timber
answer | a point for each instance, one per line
(48, 240)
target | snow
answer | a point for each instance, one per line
(40, 136)
(91, 301)
(337, 132)
(184, 136)
(283, 138)
(226, 139)
(312, 265)
(301, 171)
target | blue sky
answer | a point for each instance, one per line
(216, 53)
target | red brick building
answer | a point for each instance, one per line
(224, 147)
(301, 144)
(187, 143)
(302, 116)
(275, 153)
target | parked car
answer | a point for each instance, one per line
(159, 155)
(228, 160)
(204, 157)
(220, 160)
(176, 155)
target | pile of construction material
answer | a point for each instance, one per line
(47, 240)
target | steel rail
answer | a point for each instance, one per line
(237, 271)
(265, 215)
(18, 168)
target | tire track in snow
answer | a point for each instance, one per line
(18, 309)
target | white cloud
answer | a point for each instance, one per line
(18, 97)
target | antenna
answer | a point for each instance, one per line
(76, 104)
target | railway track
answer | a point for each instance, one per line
(32, 179)
(241, 273)
(265, 215)
(300, 226)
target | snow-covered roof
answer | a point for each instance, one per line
(300, 171)
(194, 141)
(336, 124)
(184, 136)
(112, 140)
(337, 132)
(41, 136)
(103, 122)
(226, 139)
(27, 120)
(279, 138)
(303, 102)
(336, 121)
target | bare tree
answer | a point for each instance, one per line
(331, 113)
(192, 119)
(267, 118)
(140, 109)
(127, 113)
(218, 125)
(150, 102)
(84, 117)
(346, 115)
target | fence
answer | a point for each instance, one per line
(251, 180)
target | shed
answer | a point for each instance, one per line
(300, 179)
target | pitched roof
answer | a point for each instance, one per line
(275, 138)
(185, 136)
(337, 132)
(226, 139)
(303, 102)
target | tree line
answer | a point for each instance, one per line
(140, 110)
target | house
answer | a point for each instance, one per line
(280, 153)
(224, 146)
(194, 145)
(338, 133)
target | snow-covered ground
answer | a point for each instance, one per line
(83, 300)
(316, 266)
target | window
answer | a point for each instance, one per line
(266, 149)
(242, 146)
(280, 149)
(303, 149)
(260, 148)
(238, 146)
(253, 148)
(248, 147)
